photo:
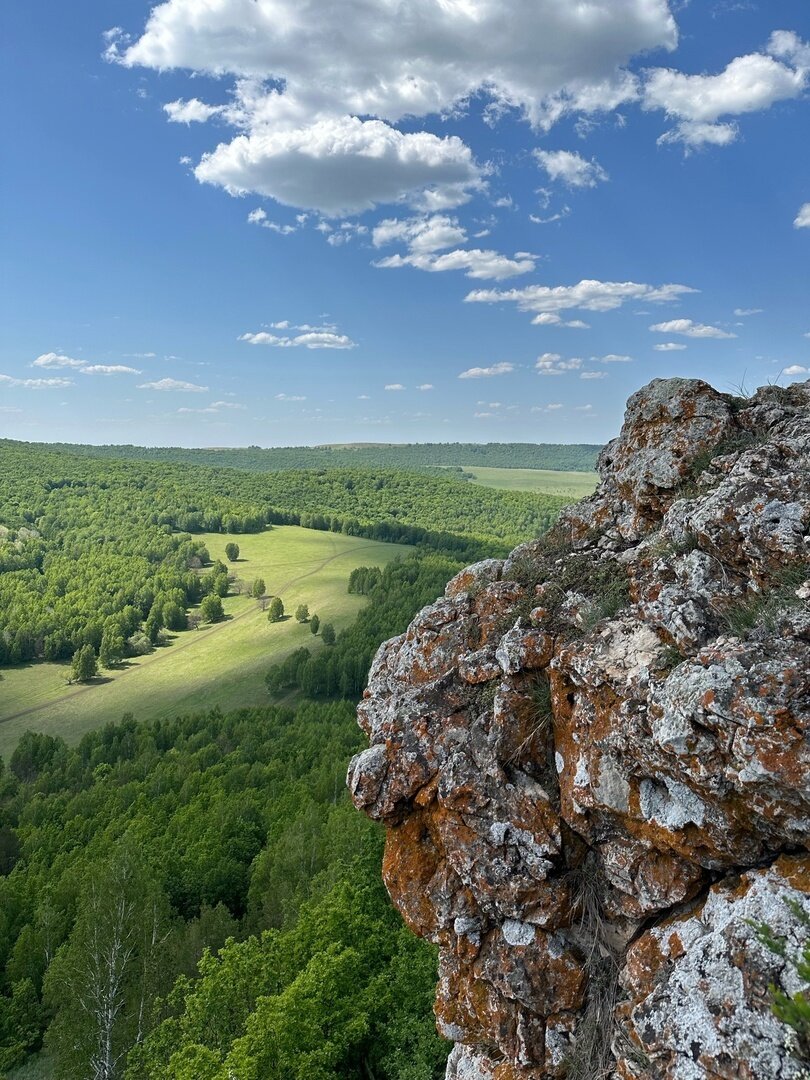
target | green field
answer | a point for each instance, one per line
(223, 664)
(573, 485)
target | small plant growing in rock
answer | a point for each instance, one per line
(768, 607)
(793, 1009)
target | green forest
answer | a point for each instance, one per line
(214, 865)
(193, 897)
(103, 553)
(573, 457)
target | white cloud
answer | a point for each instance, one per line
(394, 386)
(583, 408)
(57, 360)
(348, 231)
(173, 384)
(423, 235)
(36, 384)
(553, 407)
(259, 217)
(503, 368)
(425, 386)
(304, 76)
(802, 219)
(191, 112)
(690, 329)
(670, 346)
(796, 369)
(142, 355)
(549, 58)
(612, 358)
(344, 165)
(553, 364)
(748, 84)
(311, 338)
(476, 263)
(570, 168)
(587, 295)
(109, 369)
(743, 312)
(593, 375)
(290, 397)
(547, 318)
(426, 238)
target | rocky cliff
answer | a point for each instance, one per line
(592, 760)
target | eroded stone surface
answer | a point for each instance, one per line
(578, 751)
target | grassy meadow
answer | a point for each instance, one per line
(568, 485)
(223, 664)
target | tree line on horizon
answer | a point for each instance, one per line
(565, 457)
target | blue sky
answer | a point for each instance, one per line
(300, 221)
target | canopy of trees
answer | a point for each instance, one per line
(575, 457)
(197, 898)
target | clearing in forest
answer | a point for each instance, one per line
(220, 664)
(568, 485)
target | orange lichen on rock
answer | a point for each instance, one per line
(590, 801)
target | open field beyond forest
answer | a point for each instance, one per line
(223, 664)
(568, 485)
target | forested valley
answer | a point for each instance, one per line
(90, 548)
(194, 898)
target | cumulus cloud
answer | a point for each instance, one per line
(167, 385)
(305, 72)
(57, 360)
(503, 368)
(690, 329)
(549, 58)
(193, 111)
(612, 358)
(311, 337)
(548, 318)
(670, 346)
(586, 295)
(743, 312)
(593, 375)
(570, 168)
(394, 386)
(427, 237)
(109, 369)
(802, 219)
(796, 369)
(36, 384)
(423, 235)
(748, 84)
(425, 386)
(475, 262)
(344, 165)
(553, 364)
(291, 397)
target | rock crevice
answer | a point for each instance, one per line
(593, 763)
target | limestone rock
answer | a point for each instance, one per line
(593, 759)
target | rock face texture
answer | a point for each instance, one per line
(593, 760)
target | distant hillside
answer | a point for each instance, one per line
(567, 457)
